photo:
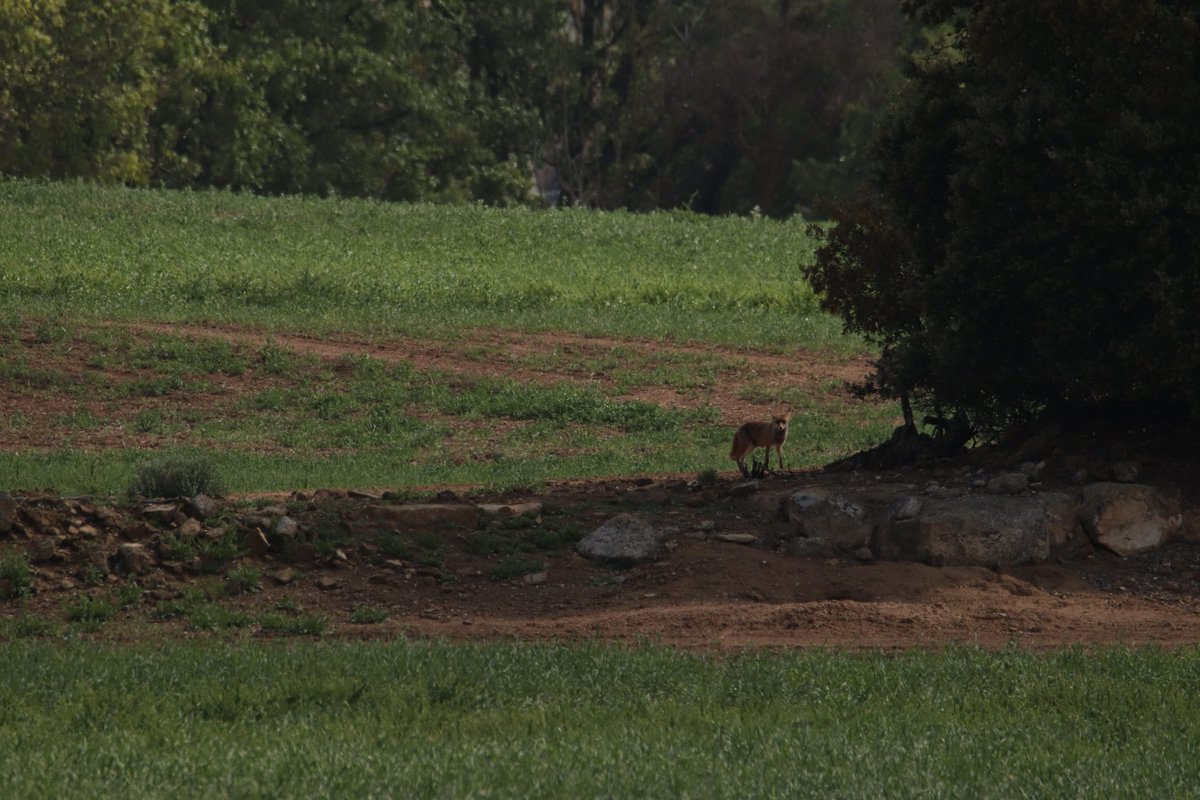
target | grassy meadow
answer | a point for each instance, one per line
(82, 266)
(551, 721)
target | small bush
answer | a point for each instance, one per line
(91, 611)
(175, 476)
(16, 579)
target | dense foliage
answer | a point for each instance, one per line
(1033, 244)
(716, 105)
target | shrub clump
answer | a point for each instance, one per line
(176, 476)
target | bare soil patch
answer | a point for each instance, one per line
(705, 592)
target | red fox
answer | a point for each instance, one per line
(760, 434)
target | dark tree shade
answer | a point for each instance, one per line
(1042, 174)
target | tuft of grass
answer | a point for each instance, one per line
(91, 611)
(176, 476)
(243, 579)
(368, 615)
(301, 624)
(513, 567)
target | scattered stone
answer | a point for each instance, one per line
(738, 538)
(1008, 483)
(534, 578)
(864, 555)
(944, 492)
(190, 527)
(68, 584)
(326, 583)
(706, 525)
(358, 494)
(135, 558)
(624, 539)
(1128, 518)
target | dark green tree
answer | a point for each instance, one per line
(1034, 245)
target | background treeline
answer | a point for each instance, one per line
(720, 106)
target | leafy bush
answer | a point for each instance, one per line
(175, 476)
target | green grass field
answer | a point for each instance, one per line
(550, 721)
(313, 264)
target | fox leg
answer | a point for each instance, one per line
(779, 450)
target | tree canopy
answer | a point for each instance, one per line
(1033, 243)
(716, 105)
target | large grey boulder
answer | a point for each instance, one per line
(624, 539)
(818, 514)
(1128, 518)
(977, 529)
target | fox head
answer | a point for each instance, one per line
(780, 422)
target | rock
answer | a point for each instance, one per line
(744, 489)
(512, 509)
(864, 555)
(1126, 471)
(160, 512)
(8, 512)
(1128, 518)
(535, 578)
(906, 507)
(285, 527)
(822, 515)
(426, 515)
(202, 507)
(135, 558)
(1008, 483)
(986, 530)
(42, 550)
(256, 542)
(1032, 471)
(944, 492)
(737, 538)
(284, 576)
(813, 548)
(190, 527)
(327, 583)
(138, 531)
(624, 539)
(705, 526)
